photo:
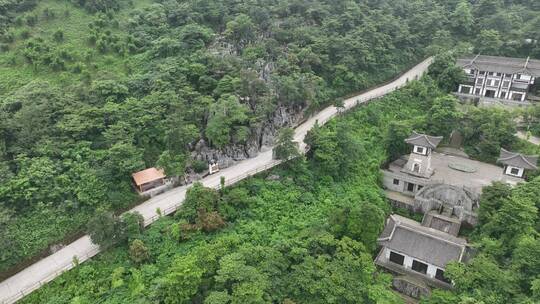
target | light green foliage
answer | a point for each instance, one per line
(506, 265)
(116, 277)
(531, 116)
(443, 117)
(181, 281)
(198, 198)
(227, 117)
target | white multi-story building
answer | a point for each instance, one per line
(503, 78)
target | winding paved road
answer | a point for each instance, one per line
(45, 270)
(532, 139)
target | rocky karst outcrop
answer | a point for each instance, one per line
(261, 139)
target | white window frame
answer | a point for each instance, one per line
(420, 150)
(509, 171)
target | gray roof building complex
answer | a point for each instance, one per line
(446, 189)
(498, 80)
(427, 179)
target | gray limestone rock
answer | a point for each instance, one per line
(410, 287)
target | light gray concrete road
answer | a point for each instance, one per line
(45, 270)
(532, 139)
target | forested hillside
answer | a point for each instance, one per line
(306, 232)
(302, 233)
(92, 90)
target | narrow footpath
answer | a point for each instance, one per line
(45, 270)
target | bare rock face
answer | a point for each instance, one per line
(261, 139)
(410, 288)
(265, 69)
(56, 247)
(282, 117)
(225, 157)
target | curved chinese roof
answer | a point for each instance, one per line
(518, 160)
(424, 140)
(498, 64)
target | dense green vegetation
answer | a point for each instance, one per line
(92, 90)
(306, 237)
(531, 117)
(306, 232)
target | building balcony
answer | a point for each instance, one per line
(470, 80)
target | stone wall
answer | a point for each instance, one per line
(410, 288)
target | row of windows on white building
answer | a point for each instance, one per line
(408, 262)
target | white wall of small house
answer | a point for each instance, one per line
(417, 163)
(508, 171)
(408, 261)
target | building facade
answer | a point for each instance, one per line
(503, 78)
(418, 251)
(427, 180)
(446, 189)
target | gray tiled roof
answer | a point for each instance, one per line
(423, 243)
(501, 64)
(518, 160)
(424, 140)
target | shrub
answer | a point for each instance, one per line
(7, 37)
(31, 20)
(105, 229)
(210, 221)
(199, 166)
(58, 36)
(138, 252)
(25, 34)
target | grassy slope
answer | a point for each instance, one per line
(15, 72)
